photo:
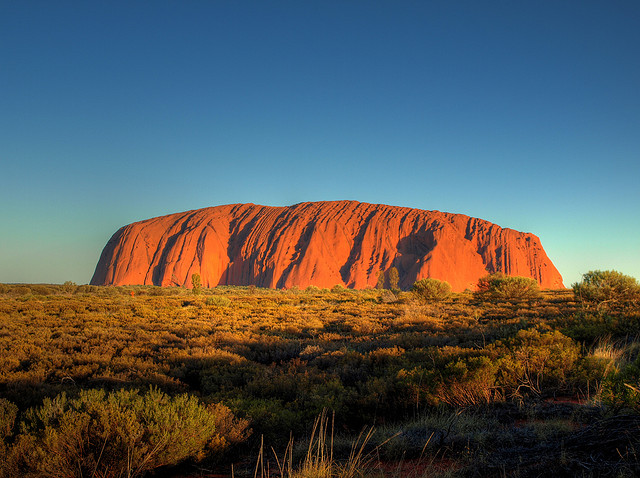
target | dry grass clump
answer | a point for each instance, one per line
(319, 460)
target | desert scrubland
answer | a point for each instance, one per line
(243, 381)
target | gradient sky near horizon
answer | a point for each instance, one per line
(526, 114)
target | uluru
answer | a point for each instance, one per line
(318, 243)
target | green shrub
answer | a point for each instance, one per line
(69, 287)
(607, 287)
(86, 289)
(468, 382)
(338, 289)
(218, 301)
(459, 381)
(535, 362)
(431, 289)
(123, 433)
(41, 289)
(500, 286)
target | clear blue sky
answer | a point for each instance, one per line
(524, 113)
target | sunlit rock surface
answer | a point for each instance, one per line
(318, 243)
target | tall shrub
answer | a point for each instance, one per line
(196, 283)
(394, 278)
(607, 287)
(431, 289)
(500, 286)
(535, 361)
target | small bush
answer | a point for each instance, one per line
(69, 287)
(218, 301)
(607, 287)
(41, 289)
(338, 289)
(431, 289)
(86, 289)
(387, 296)
(20, 291)
(500, 286)
(468, 382)
(535, 362)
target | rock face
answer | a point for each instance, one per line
(321, 244)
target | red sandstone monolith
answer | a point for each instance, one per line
(318, 243)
